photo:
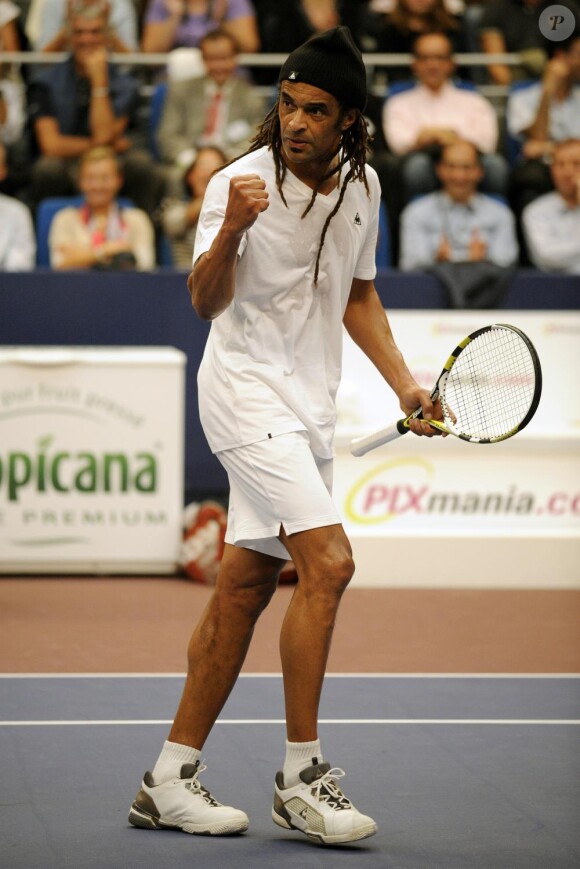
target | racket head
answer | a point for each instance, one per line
(491, 384)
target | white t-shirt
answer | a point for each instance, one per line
(17, 240)
(273, 358)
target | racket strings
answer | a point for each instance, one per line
(491, 386)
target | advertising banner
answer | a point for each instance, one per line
(427, 338)
(511, 510)
(91, 459)
(436, 486)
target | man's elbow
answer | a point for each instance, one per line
(203, 310)
(199, 300)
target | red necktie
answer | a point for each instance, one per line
(212, 113)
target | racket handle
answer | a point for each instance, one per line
(360, 446)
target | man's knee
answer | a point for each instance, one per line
(342, 571)
(250, 593)
(330, 574)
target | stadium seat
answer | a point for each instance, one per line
(383, 256)
(45, 215)
(154, 119)
(164, 252)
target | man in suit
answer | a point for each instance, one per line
(219, 109)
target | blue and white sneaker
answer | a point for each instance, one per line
(318, 808)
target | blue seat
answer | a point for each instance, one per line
(383, 255)
(45, 215)
(155, 112)
(164, 252)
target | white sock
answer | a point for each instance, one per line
(172, 757)
(299, 756)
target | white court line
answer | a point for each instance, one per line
(389, 721)
(279, 675)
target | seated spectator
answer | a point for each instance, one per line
(12, 110)
(419, 121)
(512, 26)
(217, 109)
(170, 24)
(51, 31)
(17, 241)
(86, 101)
(286, 24)
(180, 216)
(14, 134)
(543, 114)
(13, 128)
(396, 31)
(99, 234)
(457, 223)
(9, 37)
(552, 222)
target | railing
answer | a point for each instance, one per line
(143, 59)
(372, 61)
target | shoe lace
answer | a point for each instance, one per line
(327, 790)
(196, 787)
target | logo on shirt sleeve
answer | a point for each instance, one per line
(357, 219)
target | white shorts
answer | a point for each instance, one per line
(274, 483)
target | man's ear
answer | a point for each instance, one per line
(348, 119)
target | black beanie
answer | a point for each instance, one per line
(332, 62)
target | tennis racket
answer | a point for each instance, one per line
(489, 390)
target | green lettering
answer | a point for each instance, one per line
(111, 460)
(146, 476)
(54, 471)
(156, 518)
(93, 518)
(19, 473)
(86, 476)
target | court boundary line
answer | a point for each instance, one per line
(281, 721)
(279, 675)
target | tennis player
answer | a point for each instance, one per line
(284, 255)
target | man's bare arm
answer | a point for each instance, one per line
(213, 279)
(367, 324)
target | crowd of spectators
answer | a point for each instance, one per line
(464, 178)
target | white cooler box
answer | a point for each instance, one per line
(91, 459)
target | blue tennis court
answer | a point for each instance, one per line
(460, 772)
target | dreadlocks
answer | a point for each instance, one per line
(352, 152)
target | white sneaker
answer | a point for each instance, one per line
(184, 804)
(318, 808)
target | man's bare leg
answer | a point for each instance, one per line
(323, 561)
(219, 644)
(307, 795)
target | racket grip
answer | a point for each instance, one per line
(360, 446)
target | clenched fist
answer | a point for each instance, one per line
(247, 199)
